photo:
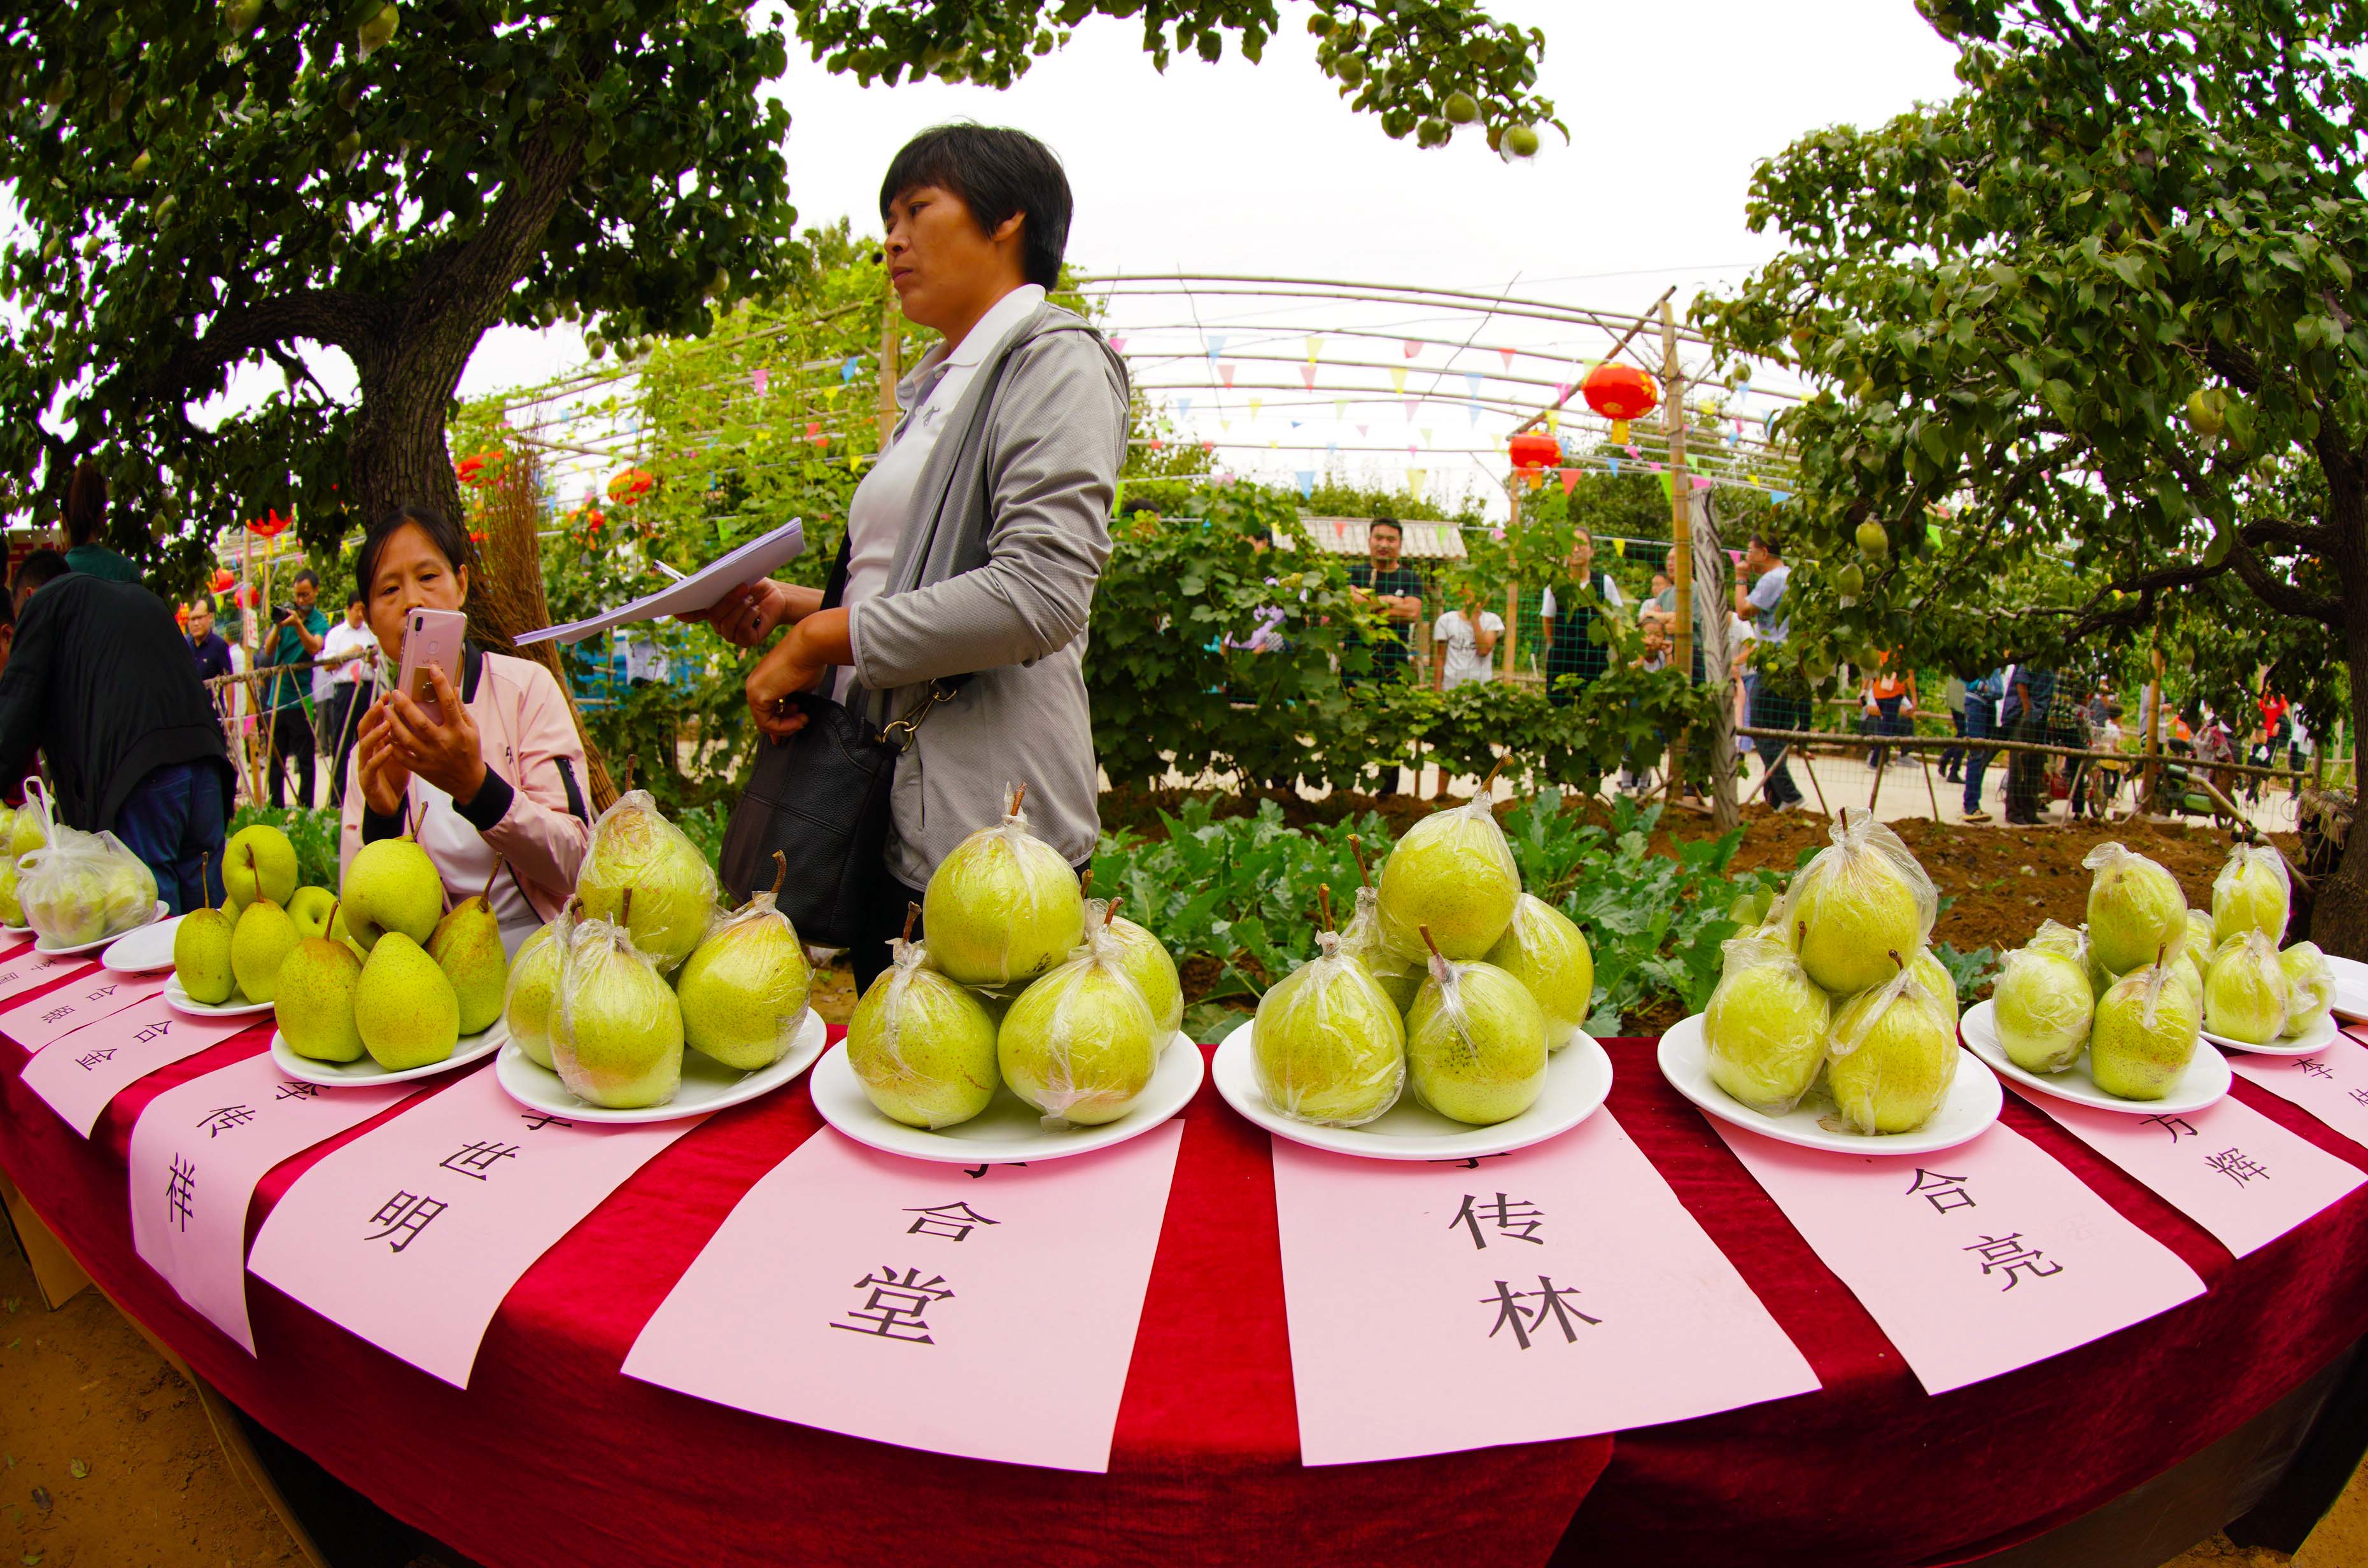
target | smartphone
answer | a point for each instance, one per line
(430, 637)
(283, 612)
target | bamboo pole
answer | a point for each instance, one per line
(1512, 578)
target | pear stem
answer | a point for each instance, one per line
(1018, 795)
(1085, 882)
(205, 894)
(1357, 852)
(1893, 952)
(1432, 945)
(632, 759)
(625, 904)
(912, 913)
(1324, 902)
(1109, 910)
(780, 871)
(1488, 785)
(486, 893)
(330, 924)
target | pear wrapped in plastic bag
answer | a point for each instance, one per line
(1861, 899)
(1147, 959)
(2042, 1008)
(616, 1037)
(1399, 976)
(1003, 907)
(1767, 1025)
(2310, 987)
(2144, 1035)
(1080, 1044)
(2136, 913)
(2065, 941)
(1893, 1055)
(921, 1045)
(1545, 950)
(1475, 1042)
(81, 887)
(1328, 1043)
(744, 988)
(2252, 893)
(1452, 873)
(533, 988)
(674, 888)
(2245, 990)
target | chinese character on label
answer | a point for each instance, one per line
(94, 1058)
(2311, 1067)
(475, 1160)
(895, 1308)
(54, 1014)
(297, 1092)
(1516, 1217)
(2006, 1255)
(2177, 1126)
(2236, 1166)
(2360, 1096)
(1470, 1163)
(1943, 1192)
(1522, 1320)
(228, 1119)
(952, 1221)
(536, 1120)
(180, 1186)
(154, 1032)
(406, 1214)
(974, 1172)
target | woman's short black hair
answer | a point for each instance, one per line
(997, 172)
(86, 504)
(441, 531)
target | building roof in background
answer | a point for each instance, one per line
(1424, 541)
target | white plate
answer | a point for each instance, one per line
(15, 930)
(162, 910)
(144, 949)
(1972, 1104)
(356, 1075)
(707, 1083)
(2350, 987)
(2310, 1042)
(1578, 1076)
(181, 1001)
(1009, 1130)
(2205, 1082)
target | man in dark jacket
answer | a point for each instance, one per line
(100, 680)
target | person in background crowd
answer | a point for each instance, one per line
(1462, 641)
(87, 525)
(1890, 702)
(352, 682)
(206, 650)
(1740, 676)
(1568, 612)
(301, 627)
(1953, 760)
(1982, 697)
(1385, 582)
(2030, 693)
(1775, 704)
(98, 681)
(2275, 734)
(1660, 605)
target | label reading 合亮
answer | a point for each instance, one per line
(79, 1074)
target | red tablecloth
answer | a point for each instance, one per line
(1873, 1470)
(552, 1457)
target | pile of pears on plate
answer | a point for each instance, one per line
(20, 833)
(384, 971)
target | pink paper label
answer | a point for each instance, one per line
(80, 1074)
(24, 969)
(1976, 1260)
(2333, 1085)
(197, 1152)
(410, 1236)
(1441, 1307)
(77, 1004)
(988, 1312)
(2228, 1168)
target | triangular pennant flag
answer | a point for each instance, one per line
(1554, 421)
(1208, 446)
(1363, 428)
(1780, 496)
(1409, 407)
(1474, 408)
(758, 378)
(1225, 374)
(1307, 376)
(1412, 348)
(1295, 423)
(1426, 435)
(1184, 408)
(1306, 477)
(1257, 404)
(1701, 483)
(1216, 345)
(1561, 391)
(1332, 448)
(1620, 547)
(1669, 491)
(1471, 382)
(1312, 345)
(1508, 355)
(1397, 378)
(1118, 345)
(850, 368)
(1569, 478)
(1415, 476)
(1615, 466)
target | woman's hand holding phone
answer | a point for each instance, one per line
(444, 752)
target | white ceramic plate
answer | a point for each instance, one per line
(2205, 1082)
(354, 1075)
(2350, 987)
(144, 949)
(181, 1001)
(15, 930)
(2310, 1042)
(1972, 1104)
(1578, 1076)
(1009, 1130)
(707, 1083)
(162, 910)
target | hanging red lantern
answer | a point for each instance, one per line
(269, 526)
(223, 579)
(631, 485)
(1619, 391)
(1533, 450)
(181, 614)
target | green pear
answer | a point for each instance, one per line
(1765, 1028)
(338, 932)
(1545, 950)
(1146, 960)
(1080, 1044)
(202, 945)
(316, 1005)
(392, 886)
(467, 945)
(1475, 1041)
(406, 1011)
(2310, 987)
(2042, 1009)
(1003, 907)
(1454, 873)
(2137, 915)
(1327, 1042)
(744, 989)
(259, 944)
(2252, 893)
(7, 828)
(1399, 976)
(11, 911)
(1845, 925)
(633, 846)
(616, 1037)
(2144, 1035)
(1895, 1056)
(534, 986)
(259, 862)
(922, 1045)
(26, 834)
(312, 909)
(2245, 992)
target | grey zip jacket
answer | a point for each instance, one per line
(995, 579)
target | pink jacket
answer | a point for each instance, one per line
(534, 809)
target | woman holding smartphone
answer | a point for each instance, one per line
(491, 771)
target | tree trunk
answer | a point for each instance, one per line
(2339, 916)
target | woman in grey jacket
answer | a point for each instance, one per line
(974, 542)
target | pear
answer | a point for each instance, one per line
(467, 946)
(922, 1046)
(1080, 1044)
(338, 932)
(1895, 1056)
(2055, 936)
(1399, 977)
(1146, 961)
(392, 886)
(259, 862)
(1328, 1043)
(2310, 987)
(2252, 893)
(8, 828)
(2245, 991)
(2199, 940)
(2136, 913)
(2042, 1008)
(11, 912)
(1860, 900)
(1003, 907)
(129, 891)
(202, 945)
(1545, 950)
(315, 1007)
(405, 1010)
(28, 834)
(673, 886)
(1765, 1028)
(744, 989)
(312, 909)
(1935, 977)
(616, 1037)
(534, 986)
(2144, 1035)
(1454, 873)
(259, 944)
(1475, 1041)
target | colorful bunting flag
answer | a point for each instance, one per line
(1307, 376)
(1257, 404)
(1471, 382)
(759, 379)
(1569, 478)
(1397, 378)
(1312, 345)
(1306, 477)
(849, 370)
(1508, 355)
(1118, 345)
(1412, 348)
(1225, 373)
(1217, 347)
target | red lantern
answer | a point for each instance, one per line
(1619, 391)
(631, 485)
(223, 579)
(1532, 450)
(269, 526)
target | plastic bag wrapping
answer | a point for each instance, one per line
(29, 828)
(744, 988)
(2199, 940)
(12, 913)
(2136, 913)
(1545, 950)
(1861, 899)
(1147, 959)
(2042, 1008)
(2310, 986)
(1003, 907)
(921, 1045)
(8, 830)
(2252, 893)
(2066, 942)
(616, 1036)
(1452, 872)
(83, 886)
(1767, 1025)
(1081, 1044)
(2146, 1034)
(1475, 1043)
(1892, 1057)
(533, 988)
(1327, 1042)
(1399, 977)
(2245, 991)
(674, 888)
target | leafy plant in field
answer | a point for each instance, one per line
(314, 832)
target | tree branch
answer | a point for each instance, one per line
(2286, 597)
(335, 316)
